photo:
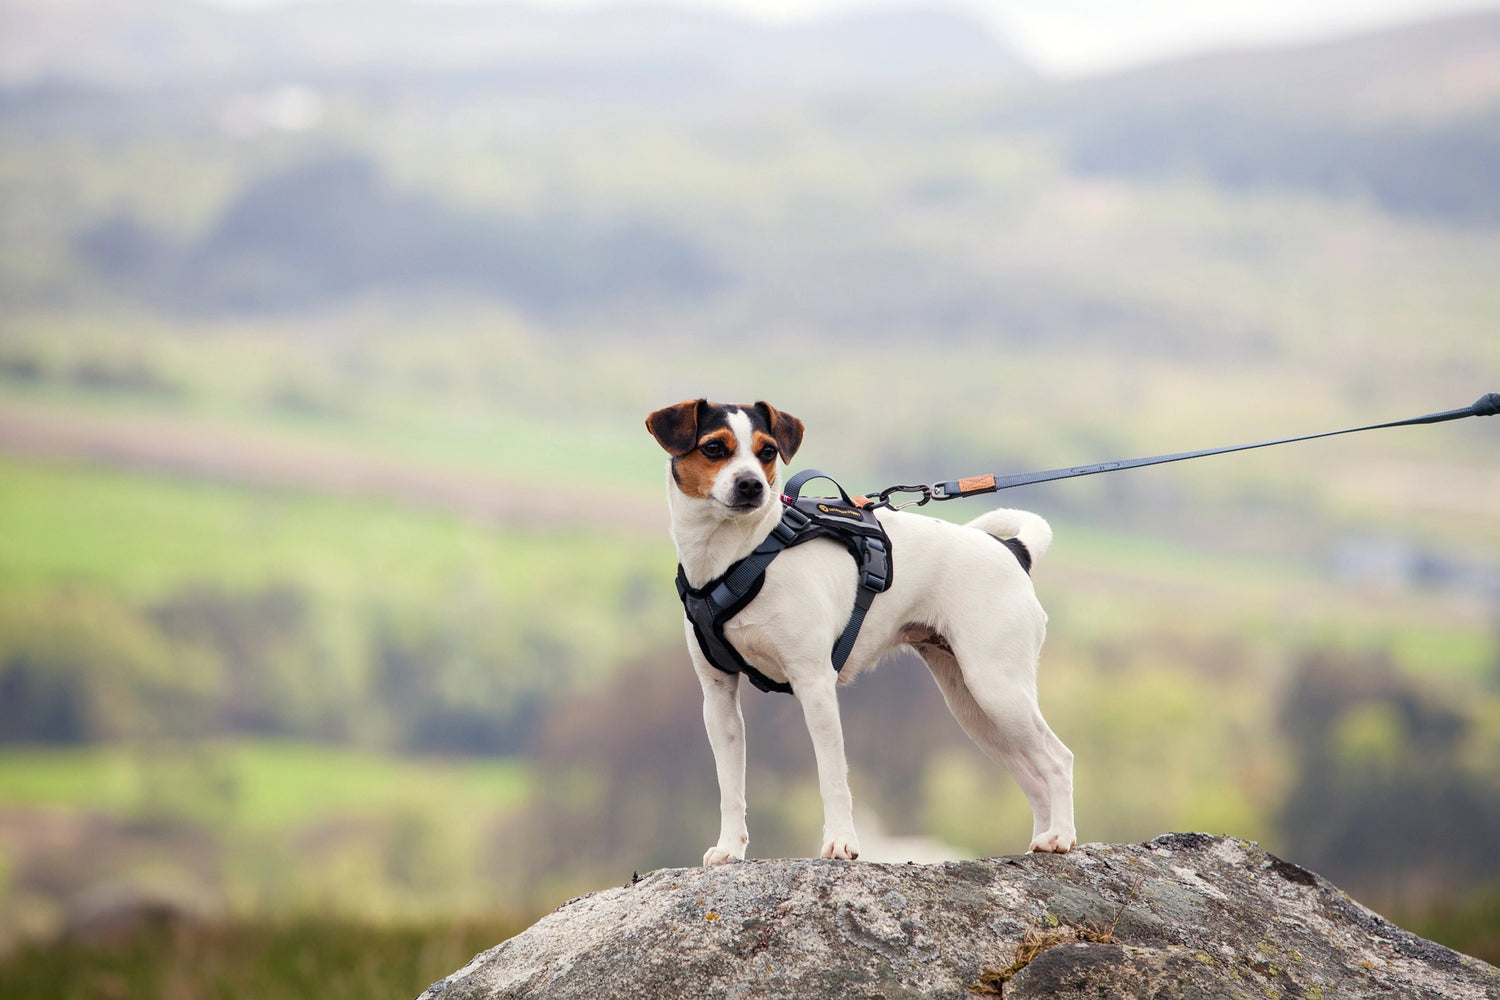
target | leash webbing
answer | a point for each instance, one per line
(1486, 405)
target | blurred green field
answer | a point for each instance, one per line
(140, 538)
(251, 787)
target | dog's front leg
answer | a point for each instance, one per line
(726, 734)
(820, 709)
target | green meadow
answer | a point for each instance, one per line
(263, 786)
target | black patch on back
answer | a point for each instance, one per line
(1022, 553)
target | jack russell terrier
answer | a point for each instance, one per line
(964, 602)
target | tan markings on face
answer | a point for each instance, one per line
(760, 442)
(695, 472)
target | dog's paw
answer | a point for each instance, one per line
(1054, 842)
(717, 855)
(843, 848)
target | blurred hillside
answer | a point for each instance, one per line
(334, 573)
(1405, 119)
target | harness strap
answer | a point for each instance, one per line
(862, 600)
(708, 621)
(736, 583)
(875, 578)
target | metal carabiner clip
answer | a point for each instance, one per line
(886, 494)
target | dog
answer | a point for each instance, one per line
(958, 596)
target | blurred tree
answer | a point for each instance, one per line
(445, 691)
(78, 666)
(627, 778)
(330, 227)
(1382, 802)
(263, 643)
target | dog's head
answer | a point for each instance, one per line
(725, 454)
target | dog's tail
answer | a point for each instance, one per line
(1032, 532)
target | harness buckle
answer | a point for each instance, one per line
(876, 571)
(792, 522)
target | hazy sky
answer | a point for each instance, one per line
(1086, 36)
(1083, 36)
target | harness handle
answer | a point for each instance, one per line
(793, 489)
(1486, 406)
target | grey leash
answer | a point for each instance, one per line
(1487, 405)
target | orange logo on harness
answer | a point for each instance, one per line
(842, 511)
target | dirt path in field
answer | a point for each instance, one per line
(246, 457)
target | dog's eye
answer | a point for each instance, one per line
(768, 453)
(713, 449)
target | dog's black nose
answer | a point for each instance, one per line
(748, 490)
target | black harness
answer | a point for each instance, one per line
(711, 606)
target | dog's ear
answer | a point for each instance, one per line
(785, 428)
(676, 427)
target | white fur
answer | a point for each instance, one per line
(952, 580)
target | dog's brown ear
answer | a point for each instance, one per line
(676, 427)
(785, 428)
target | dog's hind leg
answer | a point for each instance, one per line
(726, 734)
(982, 731)
(1003, 719)
(820, 710)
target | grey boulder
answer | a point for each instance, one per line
(1184, 915)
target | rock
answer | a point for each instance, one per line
(1184, 915)
(111, 912)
